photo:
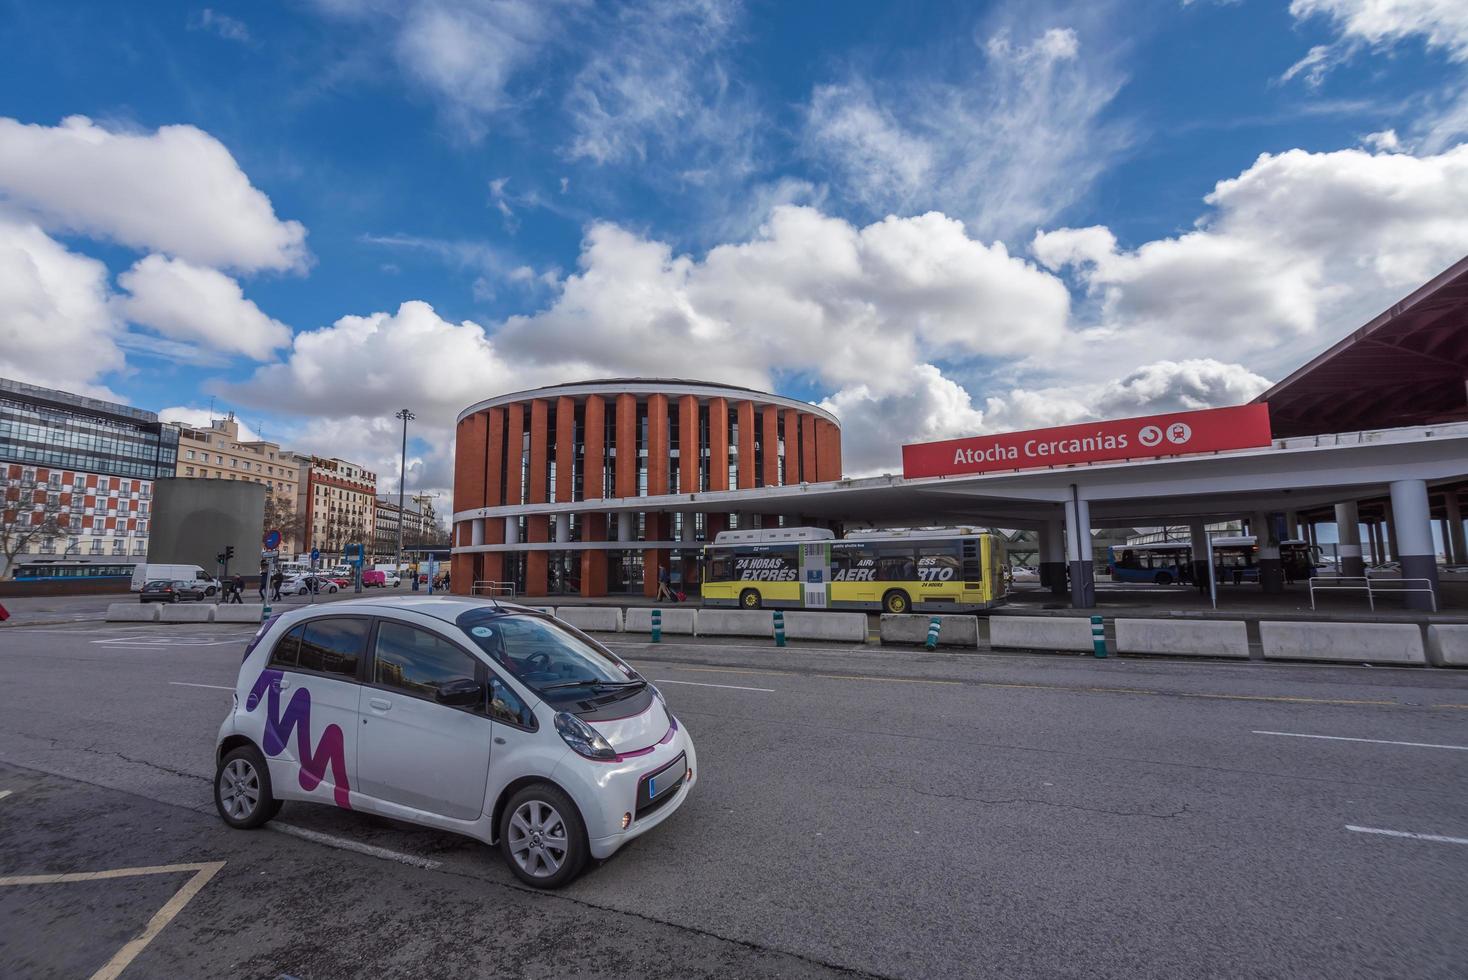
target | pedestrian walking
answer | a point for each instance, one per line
(264, 580)
(238, 590)
(276, 581)
(664, 590)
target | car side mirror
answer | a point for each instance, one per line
(461, 692)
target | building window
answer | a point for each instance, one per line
(188, 471)
(189, 454)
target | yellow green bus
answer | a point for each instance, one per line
(951, 570)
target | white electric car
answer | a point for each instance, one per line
(481, 718)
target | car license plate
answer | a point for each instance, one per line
(667, 779)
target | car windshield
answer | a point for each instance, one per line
(158, 584)
(546, 657)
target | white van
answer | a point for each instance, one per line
(143, 572)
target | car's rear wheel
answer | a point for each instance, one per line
(749, 599)
(242, 789)
(896, 602)
(1163, 578)
(542, 837)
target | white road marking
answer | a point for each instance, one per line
(727, 687)
(124, 956)
(1402, 833)
(212, 687)
(351, 845)
(4, 793)
(1374, 741)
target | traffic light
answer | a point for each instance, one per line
(228, 552)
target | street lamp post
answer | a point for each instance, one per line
(407, 417)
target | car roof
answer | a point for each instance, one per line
(444, 607)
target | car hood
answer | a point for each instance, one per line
(633, 733)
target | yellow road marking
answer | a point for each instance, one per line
(124, 956)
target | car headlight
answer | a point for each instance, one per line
(585, 740)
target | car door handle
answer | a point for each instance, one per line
(381, 704)
(499, 740)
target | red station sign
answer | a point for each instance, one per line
(1173, 434)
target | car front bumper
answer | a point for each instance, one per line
(616, 792)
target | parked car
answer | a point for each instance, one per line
(171, 590)
(303, 584)
(144, 573)
(479, 718)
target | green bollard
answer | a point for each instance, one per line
(779, 628)
(265, 611)
(657, 626)
(1098, 637)
(934, 628)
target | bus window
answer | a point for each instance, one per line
(938, 564)
(896, 565)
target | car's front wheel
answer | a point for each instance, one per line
(242, 789)
(542, 837)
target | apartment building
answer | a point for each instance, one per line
(339, 501)
(420, 524)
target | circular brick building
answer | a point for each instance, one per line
(589, 488)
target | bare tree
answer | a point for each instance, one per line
(281, 515)
(24, 523)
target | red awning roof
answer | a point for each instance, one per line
(1408, 366)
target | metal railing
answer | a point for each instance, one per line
(487, 587)
(1371, 586)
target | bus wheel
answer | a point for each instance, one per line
(896, 602)
(1163, 578)
(749, 599)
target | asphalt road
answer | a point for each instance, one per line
(859, 811)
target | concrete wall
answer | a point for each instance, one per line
(912, 628)
(735, 622)
(592, 619)
(1068, 633)
(833, 626)
(190, 612)
(193, 519)
(1447, 646)
(676, 622)
(132, 612)
(1197, 638)
(1375, 643)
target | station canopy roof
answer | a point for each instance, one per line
(1407, 367)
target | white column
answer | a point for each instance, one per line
(512, 530)
(1078, 552)
(476, 531)
(1411, 529)
(563, 528)
(1348, 533)
(1052, 555)
(626, 525)
(1198, 535)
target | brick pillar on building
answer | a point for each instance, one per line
(594, 429)
(593, 563)
(494, 461)
(537, 527)
(626, 475)
(565, 448)
(659, 528)
(770, 444)
(688, 448)
(745, 464)
(808, 467)
(828, 459)
(514, 442)
(657, 445)
(714, 523)
(471, 449)
(792, 446)
(718, 444)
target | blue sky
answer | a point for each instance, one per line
(936, 218)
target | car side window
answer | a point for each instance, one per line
(287, 652)
(506, 707)
(334, 645)
(417, 662)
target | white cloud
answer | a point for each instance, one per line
(227, 27)
(56, 328)
(196, 304)
(1440, 23)
(1010, 141)
(177, 190)
(809, 295)
(1298, 243)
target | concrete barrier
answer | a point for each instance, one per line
(592, 619)
(736, 622)
(239, 614)
(833, 626)
(1376, 643)
(1447, 646)
(1041, 633)
(193, 612)
(955, 631)
(548, 610)
(1183, 637)
(682, 622)
(132, 612)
